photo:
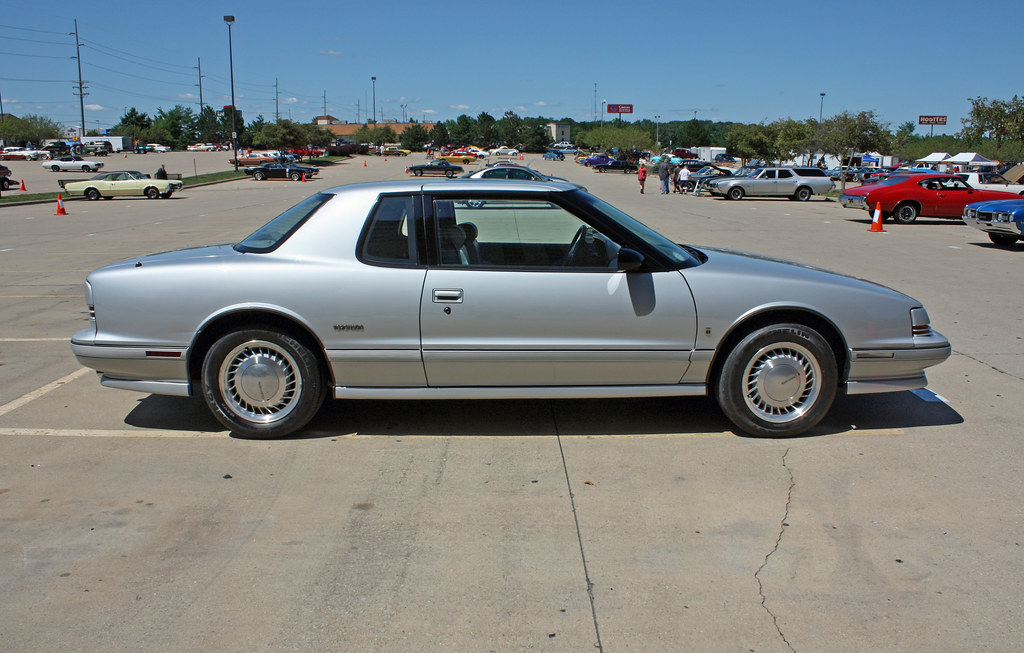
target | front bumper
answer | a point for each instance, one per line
(995, 222)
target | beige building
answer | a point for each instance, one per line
(346, 129)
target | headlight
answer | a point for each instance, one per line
(970, 213)
(1004, 217)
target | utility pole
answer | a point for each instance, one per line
(81, 86)
(199, 67)
(277, 102)
(325, 103)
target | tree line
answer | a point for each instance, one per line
(994, 128)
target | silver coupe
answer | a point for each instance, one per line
(490, 289)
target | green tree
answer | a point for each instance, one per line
(439, 134)
(414, 138)
(175, 127)
(29, 129)
(510, 129)
(795, 138)
(462, 130)
(625, 137)
(207, 127)
(753, 142)
(486, 130)
(848, 133)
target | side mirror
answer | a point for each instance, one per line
(629, 260)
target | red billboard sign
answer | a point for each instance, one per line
(620, 108)
(931, 120)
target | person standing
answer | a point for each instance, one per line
(684, 179)
(161, 173)
(641, 175)
(664, 174)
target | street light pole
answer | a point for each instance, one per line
(822, 106)
(657, 130)
(231, 64)
(374, 114)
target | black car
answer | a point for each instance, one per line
(438, 167)
(624, 166)
(280, 171)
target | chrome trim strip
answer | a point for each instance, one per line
(545, 392)
(172, 388)
(891, 385)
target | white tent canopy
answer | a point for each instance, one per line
(969, 158)
(935, 157)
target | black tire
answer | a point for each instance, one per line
(449, 173)
(152, 192)
(802, 194)
(258, 176)
(779, 381)
(735, 193)
(295, 176)
(417, 173)
(465, 161)
(1003, 240)
(905, 213)
(599, 168)
(166, 196)
(55, 168)
(5, 184)
(92, 194)
(86, 169)
(262, 384)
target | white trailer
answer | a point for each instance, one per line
(116, 142)
(709, 153)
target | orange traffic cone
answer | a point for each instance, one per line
(60, 207)
(406, 169)
(364, 163)
(22, 184)
(303, 177)
(876, 221)
(385, 159)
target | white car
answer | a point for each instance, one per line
(24, 153)
(156, 147)
(480, 154)
(991, 181)
(505, 151)
(201, 147)
(72, 163)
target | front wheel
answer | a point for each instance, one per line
(449, 173)
(779, 381)
(1003, 240)
(904, 213)
(86, 169)
(295, 176)
(152, 193)
(417, 173)
(735, 193)
(262, 384)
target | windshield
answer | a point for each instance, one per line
(680, 257)
(270, 236)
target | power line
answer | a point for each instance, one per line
(27, 29)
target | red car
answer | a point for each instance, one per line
(904, 197)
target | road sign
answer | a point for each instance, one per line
(620, 108)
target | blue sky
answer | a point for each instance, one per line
(731, 61)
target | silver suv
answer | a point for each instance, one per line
(795, 183)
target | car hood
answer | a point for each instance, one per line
(1003, 206)
(773, 270)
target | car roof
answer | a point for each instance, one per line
(458, 184)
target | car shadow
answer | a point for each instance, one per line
(547, 417)
(1001, 248)
(946, 222)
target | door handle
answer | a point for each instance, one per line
(448, 295)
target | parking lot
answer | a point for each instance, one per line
(134, 522)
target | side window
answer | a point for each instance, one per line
(520, 233)
(388, 238)
(785, 174)
(768, 174)
(519, 174)
(495, 173)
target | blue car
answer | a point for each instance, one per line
(1002, 220)
(596, 159)
(554, 155)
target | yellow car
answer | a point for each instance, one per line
(119, 183)
(458, 158)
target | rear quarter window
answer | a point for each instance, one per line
(810, 172)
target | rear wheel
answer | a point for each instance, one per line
(258, 175)
(905, 213)
(1003, 240)
(262, 384)
(778, 381)
(92, 194)
(802, 194)
(735, 193)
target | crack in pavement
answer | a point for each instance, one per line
(987, 364)
(778, 541)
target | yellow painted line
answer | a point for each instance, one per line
(39, 392)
